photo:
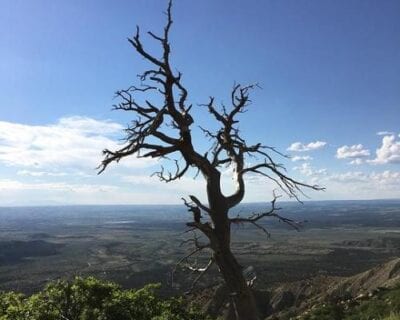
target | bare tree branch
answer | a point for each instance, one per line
(168, 176)
(198, 247)
(202, 272)
(256, 217)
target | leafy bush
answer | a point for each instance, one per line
(325, 312)
(93, 299)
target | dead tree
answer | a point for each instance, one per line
(163, 130)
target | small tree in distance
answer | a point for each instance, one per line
(164, 131)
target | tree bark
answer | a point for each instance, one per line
(241, 297)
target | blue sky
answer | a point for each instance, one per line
(329, 72)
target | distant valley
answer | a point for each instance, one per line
(135, 245)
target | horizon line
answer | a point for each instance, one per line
(179, 204)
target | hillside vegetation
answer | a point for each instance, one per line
(384, 304)
(93, 299)
(370, 295)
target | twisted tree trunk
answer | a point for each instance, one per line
(241, 297)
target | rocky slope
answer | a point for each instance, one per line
(296, 297)
(291, 300)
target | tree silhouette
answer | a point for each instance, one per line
(164, 131)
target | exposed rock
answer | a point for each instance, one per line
(282, 300)
(297, 297)
(382, 276)
(302, 295)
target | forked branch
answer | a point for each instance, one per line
(202, 272)
(255, 218)
(184, 261)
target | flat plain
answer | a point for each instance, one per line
(135, 245)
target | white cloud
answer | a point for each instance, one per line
(353, 185)
(389, 152)
(15, 192)
(301, 147)
(50, 161)
(89, 125)
(357, 161)
(181, 187)
(387, 178)
(309, 171)
(10, 185)
(374, 180)
(135, 190)
(349, 177)
(73, 142)
(36, 173)
(352, 152)
(301, 158)
(40, 173)
(384, 133)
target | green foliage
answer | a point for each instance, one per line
(393, 316)
(325, 312)
(11, 305)
(93, 299)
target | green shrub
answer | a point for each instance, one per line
(325, 312)
(11, 305)
(93, 299)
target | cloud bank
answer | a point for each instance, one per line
(55, 163)
(389, 152)
(352, 152)
(71, 143)
(301, 147)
